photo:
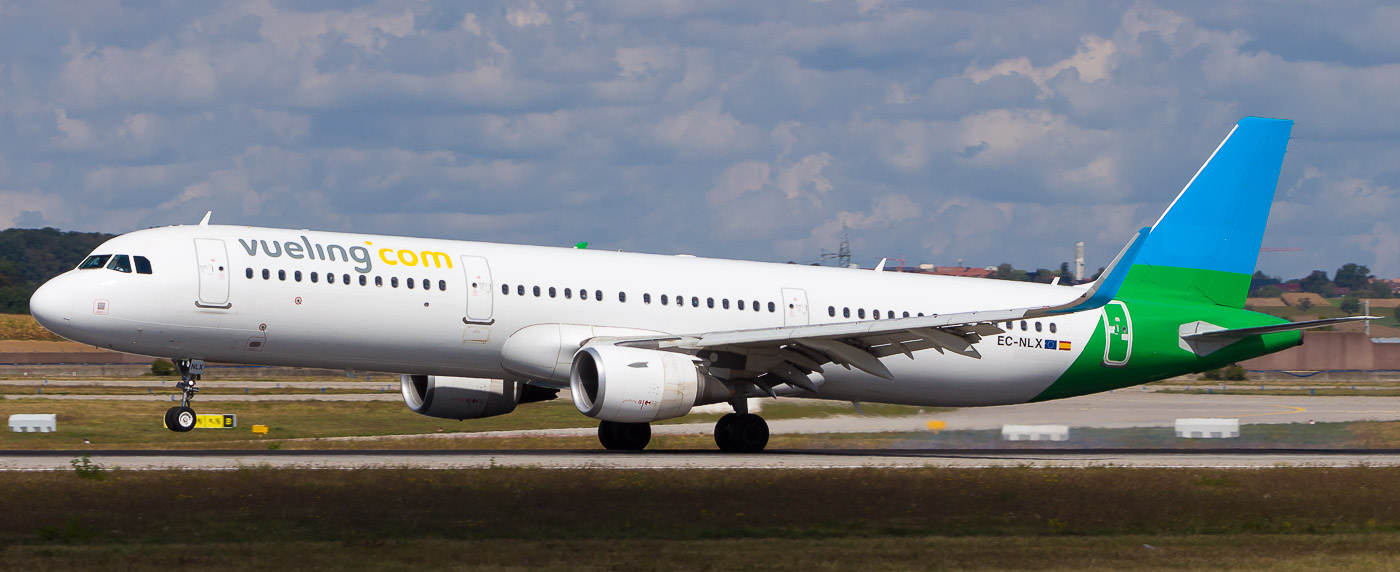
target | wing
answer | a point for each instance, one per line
(790, 354)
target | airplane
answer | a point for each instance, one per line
(477, 329)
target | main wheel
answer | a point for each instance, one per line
(724, 429)
(748, 433)
(179, 419)
(624, 436)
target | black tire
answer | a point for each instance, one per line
(180, 419)
(749, 434)
(724, 429)
(607, 435)
(624, 436)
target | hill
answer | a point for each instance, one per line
(29, 257)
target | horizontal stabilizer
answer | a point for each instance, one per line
(1238, 333)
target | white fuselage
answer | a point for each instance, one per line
(199, 302)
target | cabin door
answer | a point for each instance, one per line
(479, 292)
(212, 259)
(1118, 328)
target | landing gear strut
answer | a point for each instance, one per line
(741, 433)
(617, 436)
(181, 418)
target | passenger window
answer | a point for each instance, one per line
(695, 302)
(1023, 326)
(249, 273)
(846, 312)
(583, 293)
(505, 289)
(282, 275)
(890, 314)
(1037, 326)
(906, 314)
(1052, 327)
(664, 300)
(393, 281)
(831, 311)
(330, 277)
(755, 306)
(98, 261)
(296, 276)
(537, 291)
(364, 281)
(519, 288)
(266, 275)
(315, 278)
(598, 295)
(379, 281)
(120, 263)
(772, 307)
(741, 304)
(860, 312)
(724, 303)
(408, 282)
(568, 293)
(551, 291)
(646, 298)
(875, 314)
(621, 297)
(143, 265)
(345, 279)
(710, 303)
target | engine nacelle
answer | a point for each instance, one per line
(459, 397)
(632, 385)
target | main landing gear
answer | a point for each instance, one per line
(734, 433)
(181, 418)
(617, 436)
(741, 433)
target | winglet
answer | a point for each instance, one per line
(205, 221)
(1106, 287)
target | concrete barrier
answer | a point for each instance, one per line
(34, 422)
(1208, 428)
(1035, 432)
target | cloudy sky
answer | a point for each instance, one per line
(988, 132)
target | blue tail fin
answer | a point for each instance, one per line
(1207, 242)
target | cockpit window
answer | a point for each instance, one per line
(94, 261)
(143, 264)
(120, 263)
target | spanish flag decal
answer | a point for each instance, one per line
(1064, 345)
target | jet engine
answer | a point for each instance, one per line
(632, 385)
(467, 397)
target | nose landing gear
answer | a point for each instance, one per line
(181, 418)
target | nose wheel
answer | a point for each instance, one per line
(181, 418)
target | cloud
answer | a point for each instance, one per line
(988, 132)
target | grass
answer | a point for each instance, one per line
(23, 327)
(1013, 518)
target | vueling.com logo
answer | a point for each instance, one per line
(335, 252)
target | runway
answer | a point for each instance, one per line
(704, 459)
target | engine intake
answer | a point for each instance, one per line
(467, 397)
(632, 385)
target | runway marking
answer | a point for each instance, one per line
(1290, 407)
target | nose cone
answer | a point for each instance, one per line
(52, 305)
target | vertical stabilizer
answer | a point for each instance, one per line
(1205, 246)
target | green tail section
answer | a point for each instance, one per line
(1193, 268)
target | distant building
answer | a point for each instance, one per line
(967, 271)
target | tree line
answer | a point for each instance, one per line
(30, 257)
